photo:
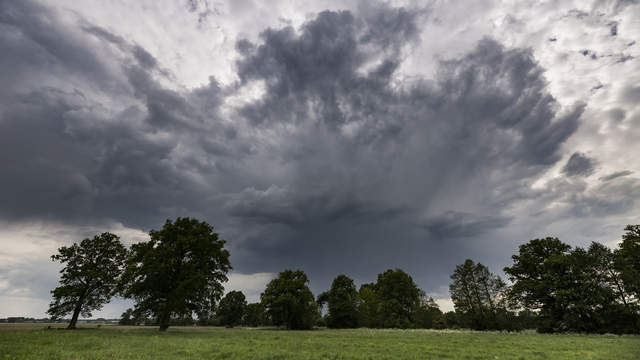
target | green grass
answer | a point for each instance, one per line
(33, 341)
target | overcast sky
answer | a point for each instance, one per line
(331, 136)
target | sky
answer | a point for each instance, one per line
(328, 136)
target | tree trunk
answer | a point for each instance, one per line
(74, 318)
(164, 320)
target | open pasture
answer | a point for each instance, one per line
(34, 341)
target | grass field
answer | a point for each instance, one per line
(33, 341)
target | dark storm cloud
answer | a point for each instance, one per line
(367, 147)
(456, 224)
(579, 164)
(335, 164)
(68, 156)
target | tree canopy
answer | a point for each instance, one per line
(342, 302)
(232, 308)
(574, 289)
(288, 301)
(397, 296)
(179, 271)
(88, 279)
(254, 315)
(477, 294)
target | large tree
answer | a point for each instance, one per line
(477, 295)
(254, 315)
(178, 272)
(627, 262)
(397, 296)
(289, 301)
(427, 314)
(232, 308)
(368, 307)
(535, 274)
(342, 302)
(89, 278)
(573, 289)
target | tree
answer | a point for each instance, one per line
(535, 274)
(178, 272)
(368, 308)
(427, 314)
(232, 308)
(397, 296)
(342, 302)
(627, 262)
(89, 278)
(289, 301)
(254, 315)
(573, 289)
(478, 295)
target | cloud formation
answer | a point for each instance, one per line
(579, 164)
(334, 145)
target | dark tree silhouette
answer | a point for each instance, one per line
(627, 262)
(178, 272)
(289, 301)
(89, 278)
(397, 296)
(368, 308)
(254, 315)
(232, 308)
(534, 274)
(477, 294)
(342, 302)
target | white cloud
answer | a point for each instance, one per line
(251, 285)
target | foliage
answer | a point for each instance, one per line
(289, 301)
(427, 315)
(368, 308)
(254, 315)
(478, 295)
(179, 271)
(627, 263)
(397, 296)
(573, 289)
(342, 301)
(92, 270)
(232, 308)
(534, 274)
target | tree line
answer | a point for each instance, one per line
(177, 277)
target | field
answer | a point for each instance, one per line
(33, 341)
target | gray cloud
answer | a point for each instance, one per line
(615, 175)
(579, 164)
(341, 164)
(456, 224)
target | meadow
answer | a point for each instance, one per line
(35, 341)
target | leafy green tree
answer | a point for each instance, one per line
(254, 315)
(592, 295)
(89, 278)
(178, 272)
(368, 307)
(627, 263)
(535, 273)
(573, 289)
(127, 318)
(342, 302)
(289, 301)
(232, 308)
(478, 295)
(427, 314)
(397, 297)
